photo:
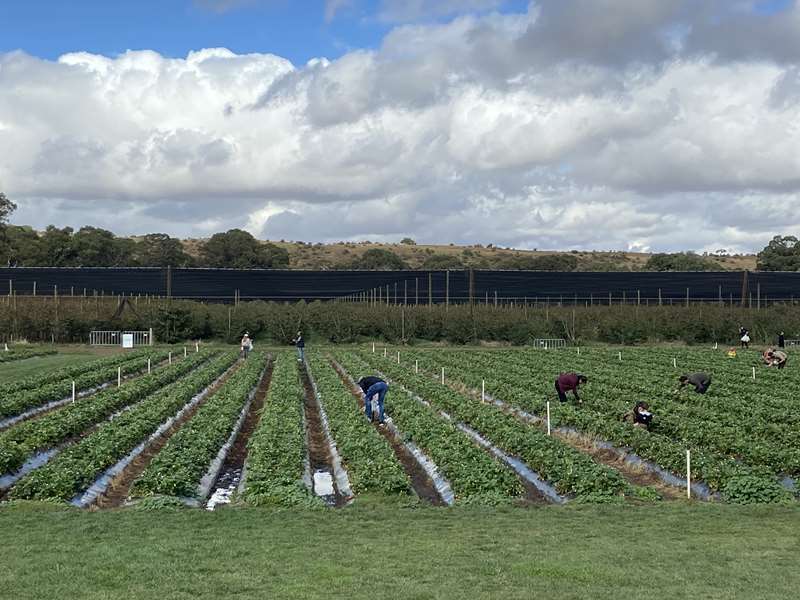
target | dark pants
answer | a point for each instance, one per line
(562, 396)
(782, 364)
(380, 390)
(701, 389)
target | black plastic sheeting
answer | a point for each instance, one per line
(403, 286)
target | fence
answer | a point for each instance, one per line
(117, 338)
(549, 344)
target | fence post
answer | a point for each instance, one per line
(73, 392)
(689, 474)
(548, 417)
(442, 375)
(483, 390)
(119, 376)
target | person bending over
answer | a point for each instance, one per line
(569, 382)
(699, 380)
(372, 387)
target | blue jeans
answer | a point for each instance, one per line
(380, 390)
(300, 353)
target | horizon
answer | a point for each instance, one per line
(550, 124)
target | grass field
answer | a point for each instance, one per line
(378, 551)
(40, 364)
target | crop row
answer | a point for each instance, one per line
(185, 458)
(370, 460)
(15, 404)
(570, 471)
(77, 467)
(65, 373)
(474, 476)
(528, 386)
(22, 440)
(276, 450)
(23, 353)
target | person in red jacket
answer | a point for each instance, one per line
(569, 382)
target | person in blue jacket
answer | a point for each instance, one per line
(373, 386)
(300, 344)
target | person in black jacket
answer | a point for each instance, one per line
(373, 386)
(700, 381)
(300, 344)
(781, 340)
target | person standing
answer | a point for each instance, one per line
(300, 344)
(745, 339)
(700, 381)
(781, 340)
(372, 387)
(246, 345)
(569, 382)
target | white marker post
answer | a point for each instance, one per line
(373, 347)
(197, 347)
(689, 474)
(416, 367)
(442, 375)
(73, 392)
(620, 355)
(184, 352)
(483, 390)
(119, 376)
(5, 346)
(675, 363)
(149, 369)
(579, 350)
(384, 353)
(548, 417)
(398, 358)
(716, 345)
(170, 358)
(754, 373)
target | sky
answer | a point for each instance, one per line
(654, 125)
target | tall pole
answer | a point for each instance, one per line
(430, 289)
(447, 290)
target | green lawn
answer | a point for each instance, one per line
(379, 551)
(19, 369)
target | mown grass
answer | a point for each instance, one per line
(20, 369)
(373, 550)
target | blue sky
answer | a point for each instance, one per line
(293, 29)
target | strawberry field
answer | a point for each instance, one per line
(464, 426)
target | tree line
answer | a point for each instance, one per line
(22, 246)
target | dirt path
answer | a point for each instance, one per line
(319, 452)
(119, 489)
(230, 475)
(634, 474)
(420, 481)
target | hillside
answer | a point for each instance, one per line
(341, 255)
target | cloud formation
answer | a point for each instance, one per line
(577, 124)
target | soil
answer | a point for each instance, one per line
(420, 481)
(319, 452)
(119, 489)
(232, 467)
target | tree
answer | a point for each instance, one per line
(679, 261)
(21, 248)
(238, 249)
(547, 262)
(55, 247)
(6, 208)
(161, 250)
(378, 259)
(408, 241)
(441, 262)
(781, 254)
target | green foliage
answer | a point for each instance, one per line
(679, 261)
(781, 254)
(237, 249)
(408, 241)
(546, 262)
(178, 468)
(161, 250)
(442, 262)
(378, 259)
(23, 353)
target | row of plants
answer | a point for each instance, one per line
(181, 464)
(14, 404)
(369, 458)
(474, 476)
(65, 373)
(28, 437)
(571, 472)
(277, 448)
(525, 380)
(23, 353)
(77, 467)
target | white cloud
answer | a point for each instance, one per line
(483, 129)
(405, 11)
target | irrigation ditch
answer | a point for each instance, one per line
(230, 476)
(328, 479)
(426, 481)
